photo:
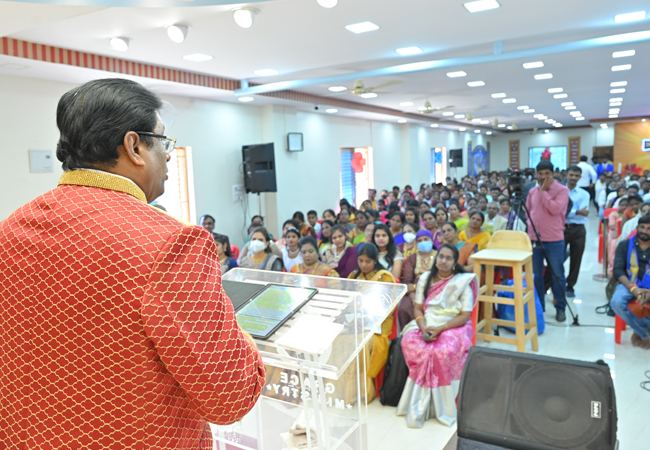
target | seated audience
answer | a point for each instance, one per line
(390, 257)
(329, 214)
(368, 232)
(325, 241)
(431, 224)
(412, 215)
(207, 222)
(613, 224)
(344, 220)
(473, 233)
(397, 221)
(311, 263)
(634, 203)
(291, 253)
(285, 226)
(482, 204)
(465, 249)
(493, 219)
(245, 249)
(260, 256)
(436, 343)
(312, 218)
(454, 216)
(630, 226)
(341, 254)
(357, 235)
(409, 247)
(225, 253)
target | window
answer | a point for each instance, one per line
(178, 198)
(355, 183)
(558, 156)
(438, 165)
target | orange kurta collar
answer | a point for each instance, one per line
(102, 180)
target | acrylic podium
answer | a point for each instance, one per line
(321, 378)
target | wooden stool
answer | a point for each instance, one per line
(518, 260)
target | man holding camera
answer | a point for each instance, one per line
(547, 204)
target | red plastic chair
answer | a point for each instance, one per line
(235, 251)
(619, 328)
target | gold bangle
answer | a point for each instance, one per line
(633, 288)
(418, 317)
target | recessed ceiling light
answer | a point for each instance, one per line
(614, 110)
(575, 113)
(603, 125)
(629, 17)
(476, 83)
(362, 27)
(501, 125)
(537, 116)
(177, 33)
(481, 5)
(368, 95)
(521, 108)
(528, 111)
(121, 44)
(559, 125)
(448, 113)
(459, 116)
(510, 127)
(406, 104)
(339, 89)
(616, 99)
(533, 65)
(580, 118)
(616, 104)
(488, 132)
(621, 67)
(244, 17)
(409, 51)
(613, 116)
(566, 104)
(543, 76)
(499, 95)
(197, 57)
(327, 3)
(462, 129)
(560, 96)
(555, 90)
(485, 122)
(477, 120)
(549, 121)
(543, 118)
(547, 131)
(401, 121)
(569, 108)
(422, 108)
(460, 73)
(623, 54)
(245, 99)
(618, 83)
(477, 131)
(617, 91)
(434, 125)
(266, 72)
(331, 110)
(509, 100)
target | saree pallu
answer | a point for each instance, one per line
(481, 240)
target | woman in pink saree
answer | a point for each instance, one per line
(436, 343)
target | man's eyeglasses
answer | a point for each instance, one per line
(168, 142)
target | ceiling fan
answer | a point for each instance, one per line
(428, 109)
(360, 88)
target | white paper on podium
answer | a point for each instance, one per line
(310, 334)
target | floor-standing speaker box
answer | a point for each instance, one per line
(511, 400)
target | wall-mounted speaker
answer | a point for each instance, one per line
(456, 158)
(259, 168)
(517, 401)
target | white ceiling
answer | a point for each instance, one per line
(300, 39)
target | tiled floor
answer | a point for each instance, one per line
(389, 432)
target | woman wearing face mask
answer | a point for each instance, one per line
(414, 266)
(325, 241)
(224, 253)
(409, 246)
(436, 343)
(473, 233)
(357, 235)
(390, 257)
(465, 249)
(312, 265)
(431, 224)
(291, 253)
(341, 255)
(397, 221)
(260, 256)
(370, 269)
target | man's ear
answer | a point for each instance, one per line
(132, 148)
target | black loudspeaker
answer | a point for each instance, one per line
(259, 168)
(517, 401)
(456, 158)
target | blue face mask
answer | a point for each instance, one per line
(425, 246)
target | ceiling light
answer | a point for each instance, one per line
(245, 99)
(422, 108)
(528, 111)
(501, 125)
(543, 76)
(603, 125)
(616, 104)
(643, 120)
(521, 108)
(459, 116)
(244, 17)
(327, 3)
(575, 113)
(533, 65)
(339, 89)
(547, 130)
(560, 96)
(559, 125)
(537, 116)
(485, 122)
(434, 125)
(477, 120)
(616, 99)
(555, 90)
(580, 118)
(331, 110)
(266, 72)
(509, 100)
(510, 127)
(462, 129)
(613, 116)
(362, 27)
(499, 95)
(623, 54)
(476, 83)
(549, 121)
(368, 95)
(401, 121)
(121, 44)
(629, 17)
(569, 108)
(488, 132)
(409, 51)
(477, 131)
(621, 67)
(617, 91)
(618, 83)
(197, 57)
(404, 103)
(448, 113)
(566, 104)
(614, 110)
(460, 73)
(177, 33)
(481, 5)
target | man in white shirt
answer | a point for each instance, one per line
(492, 218)
(588, 177)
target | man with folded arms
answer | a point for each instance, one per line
(115, 331)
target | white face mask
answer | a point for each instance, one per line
(409, 237)
(257, 246)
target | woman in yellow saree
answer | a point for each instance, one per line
(312, 265)
(473, 234)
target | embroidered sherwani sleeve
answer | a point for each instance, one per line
(188, 316)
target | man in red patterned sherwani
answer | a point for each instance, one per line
(115, 331)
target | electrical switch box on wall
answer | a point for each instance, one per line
(238, 193)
